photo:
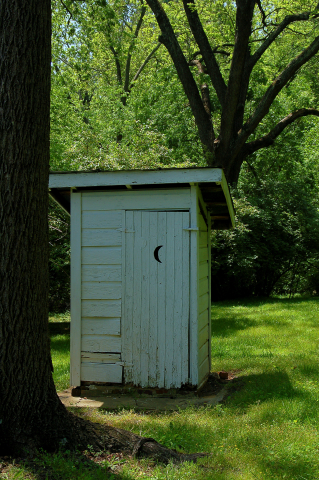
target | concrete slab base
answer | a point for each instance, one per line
(140, 402)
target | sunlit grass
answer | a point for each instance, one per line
(266, 429)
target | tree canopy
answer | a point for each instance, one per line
(250, 38)
(239, 75)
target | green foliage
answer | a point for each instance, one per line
(95, 122)
(59, 260)
(273, 246)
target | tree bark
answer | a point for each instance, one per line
(30, 411)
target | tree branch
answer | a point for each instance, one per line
(272, 37)
(118, 65)
(253, 171)
(129, 55)
(169, 39)
(197, 63)
(69, 12)
(245, 10)
(271, 93)
(263, 16)
(270, 138)
(147, 59)
(206, 50)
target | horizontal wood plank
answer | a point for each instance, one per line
(101, 308)
(101, 256)
(203, 285)
(135, 177)
(101, 290)
(203, 270)
(101, 343)
(203, 302)
(100, 357)
(98, 219)
(101, 326)
(202, 224)
(100, 372)
(101, 237)
(203, 370)
(203, 336)
(203, 240)
(203, 319)
(101, 273)
(136, 200)
(203, 353)
(203, 254)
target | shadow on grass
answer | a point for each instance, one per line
(256, 389)
(59, 328)
(228, 325)
(67, 466)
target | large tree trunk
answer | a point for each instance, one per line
(30, 411)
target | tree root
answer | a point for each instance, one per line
(114, 440)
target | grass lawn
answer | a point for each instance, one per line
(59, 326)
(266, 429)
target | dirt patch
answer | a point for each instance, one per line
(215, 384)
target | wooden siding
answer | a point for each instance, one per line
(203, 298)
(101, 372)
(101, 286)
(156, 318)
(98, 326)
(134, 200)
(142, 321)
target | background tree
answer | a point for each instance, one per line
(255, 31)
(134, 113)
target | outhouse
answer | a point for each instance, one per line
(140, 272)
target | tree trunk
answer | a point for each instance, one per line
(30, 411)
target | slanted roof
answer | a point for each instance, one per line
(211, 181)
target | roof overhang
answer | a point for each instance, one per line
(211, 181)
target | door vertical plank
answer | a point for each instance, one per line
(145, 294)
(137, 297)
(128, 295)
(185, 290)
(161, 290)
(169, 299)
(178, 299)
(76, 304)
(153, 300)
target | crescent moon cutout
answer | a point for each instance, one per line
(156, 253)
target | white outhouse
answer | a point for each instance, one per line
(140, 272)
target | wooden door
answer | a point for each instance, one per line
(156, 300)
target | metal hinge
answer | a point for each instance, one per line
(192, 229)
